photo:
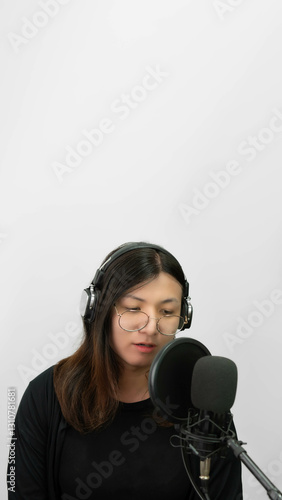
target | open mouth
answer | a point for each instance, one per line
(146, 345)
(145, 348)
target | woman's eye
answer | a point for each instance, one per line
(167, 312)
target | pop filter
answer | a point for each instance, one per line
(171, 375)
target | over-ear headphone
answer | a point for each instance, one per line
(90, 295)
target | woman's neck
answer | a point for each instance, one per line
(133, 386)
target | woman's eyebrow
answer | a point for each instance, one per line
(172, 299)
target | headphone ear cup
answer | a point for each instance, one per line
(190, 312)
(87, 303)
(187, 312)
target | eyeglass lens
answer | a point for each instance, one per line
(135, 320)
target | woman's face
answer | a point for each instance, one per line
(160, 296)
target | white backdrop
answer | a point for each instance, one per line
(158, 121)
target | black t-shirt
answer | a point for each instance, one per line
(130, 459)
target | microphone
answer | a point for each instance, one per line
(213, 390)
(214, 384)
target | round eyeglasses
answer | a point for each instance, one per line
(132, 321)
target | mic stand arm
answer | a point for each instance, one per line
(241, 453)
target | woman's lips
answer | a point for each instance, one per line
(145, 347)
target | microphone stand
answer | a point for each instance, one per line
(241, 453)
(227, 439)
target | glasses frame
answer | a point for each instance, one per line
(151, 317)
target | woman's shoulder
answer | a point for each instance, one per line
(40, 390)
(43, 379)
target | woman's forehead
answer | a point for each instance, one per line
(164, 286)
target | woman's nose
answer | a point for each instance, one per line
(151, 326)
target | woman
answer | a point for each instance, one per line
(86, 428)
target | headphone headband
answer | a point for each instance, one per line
(127, 247)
